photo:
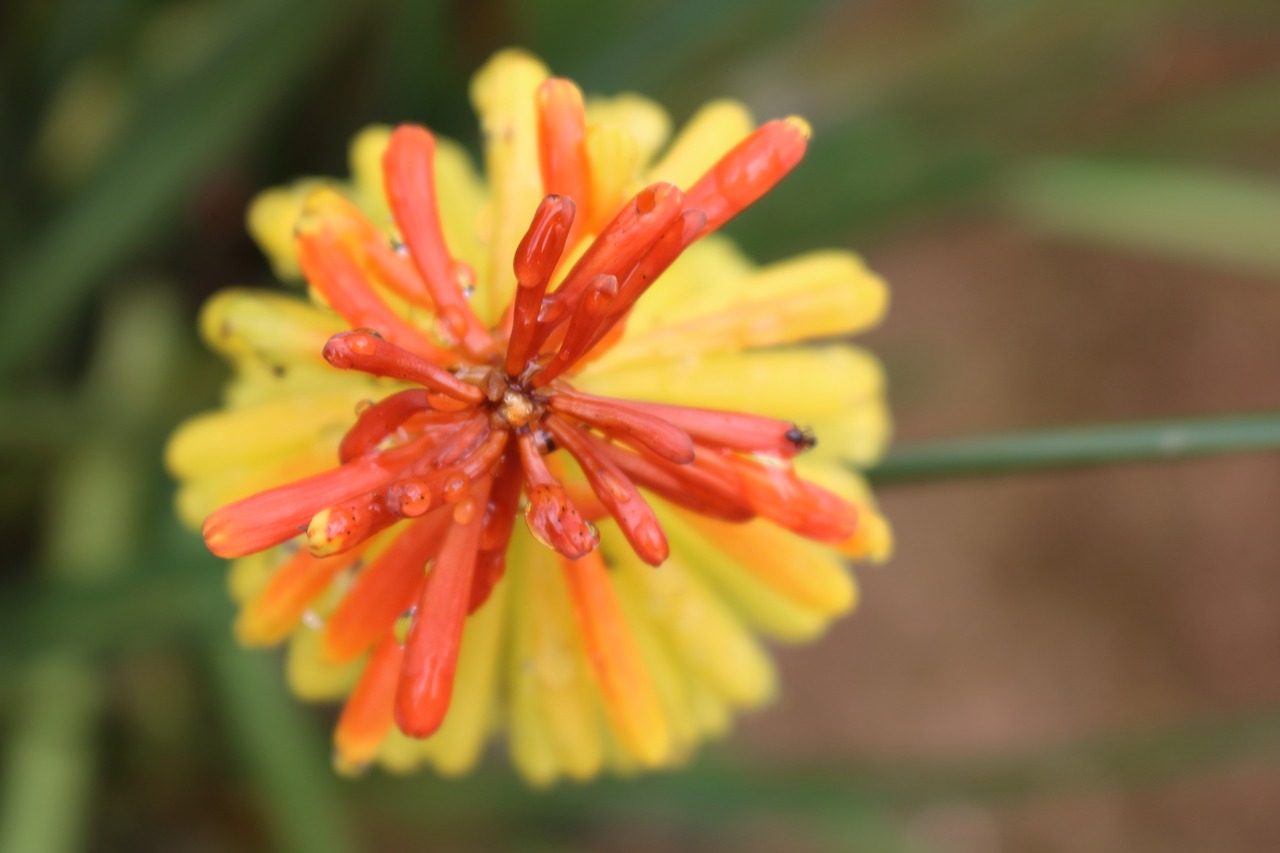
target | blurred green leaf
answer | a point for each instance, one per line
(1176, 210)
(283, 751)
(153, 602)
(48, 768)
(263, 51)
(1074, 447)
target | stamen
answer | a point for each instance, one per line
(535, 261)
(409, 180)
(634, 516)
(431, 649)
(748, 171)
(370, 353)
(626, 423)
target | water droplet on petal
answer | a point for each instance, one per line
(363, 406)
(465, 278)
(464, 511)
(535, 529)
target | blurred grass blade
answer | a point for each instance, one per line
(150, 603)
(263, 52)
(1182, 211)
(286, 761)
(1079, 446)
(49, 758)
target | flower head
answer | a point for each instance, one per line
(569, 345)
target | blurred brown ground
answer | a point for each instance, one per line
(1044, 608)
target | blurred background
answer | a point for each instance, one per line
(1077, 204)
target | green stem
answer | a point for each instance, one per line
(1077, 447)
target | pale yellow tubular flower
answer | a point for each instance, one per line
(802, 572)
(309, 675)
(643, 120)
(799, 384)
(252, 436)
(821, 295)
(856, 437)
(566, 700)
(767, 612)
(712, 265)
(271, 219)
(713, 130)
(709, 709)
(364, 156)
(668, 677)
(250, 325)
(399, 753)
(532, 751)
(503, 96)
(196, 498)
(614, 157)
(248, 575)
(705, 636)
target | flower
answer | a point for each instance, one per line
(495, 348)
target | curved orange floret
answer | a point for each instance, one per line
(462, 440)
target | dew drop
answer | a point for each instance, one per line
(465, 278)
(535, 529)
(402, 626)
(464, 511)
(363, 406)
